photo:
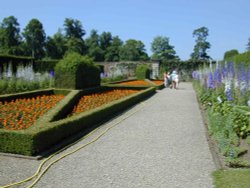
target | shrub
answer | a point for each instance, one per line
(76, 72)
(142, 72)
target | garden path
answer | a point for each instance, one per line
(163, 144)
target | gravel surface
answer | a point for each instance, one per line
(161, 145)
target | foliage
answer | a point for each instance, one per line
(113, 51)
(229, 55)
(105, 41)
(142, 72)
(133, 50)
(223, 91)
(242, 58)
(76, 72)
(56, 46)
(162, 50)
(73, 28)
(35, 38)
(10, 38)
(201, 46)
(15, 85)
(93, 46)
(20, 77)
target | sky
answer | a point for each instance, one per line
(228, 21)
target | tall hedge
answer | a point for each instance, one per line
(142, 72)
(242, 58)
(76, 72)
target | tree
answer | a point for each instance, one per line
(133, 50)
(112, 52)
(74, 32)
(35, 38)
(162, 50)
(93, 46)
(105, 40)
(56, 46)
(10, 38)
(201, 46)
(73, 28)
(248, 45)
(228, 55)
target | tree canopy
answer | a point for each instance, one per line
(202, 45)
(35, 38)
(162, 50)
(10, 38)
(228, 55)
(133, 50)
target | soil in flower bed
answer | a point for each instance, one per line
(22, 113)
(88, 102)
(136, 83)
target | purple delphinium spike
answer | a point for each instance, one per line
(229, 94)
(218, 77)
(230, 69)
(195, 75)
(211, 81)
(242, 79)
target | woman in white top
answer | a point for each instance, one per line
(175, 79)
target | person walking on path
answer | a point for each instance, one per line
(167, 80)
(175, 80)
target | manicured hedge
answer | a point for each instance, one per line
(47, 132)
(21, 141)
(76, 72)
(142, 72)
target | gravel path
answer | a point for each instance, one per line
(161, 145)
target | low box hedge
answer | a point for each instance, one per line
(55, 126)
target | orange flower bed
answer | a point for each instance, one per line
(136, 83)
(22, 113)
(91, 101)
(158, 82)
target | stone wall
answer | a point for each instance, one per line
(113, 69)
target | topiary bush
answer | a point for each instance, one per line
(142, 72)
(76, 72)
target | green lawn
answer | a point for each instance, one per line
(238, 178)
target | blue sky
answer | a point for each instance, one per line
(228, 21)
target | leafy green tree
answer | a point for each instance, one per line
(105, 40)
(133, 50)
(112, 52)
(201, 46)
(74, 33)
(93, 46)
(10, 38)
(162, 50)
(34, 38)
(56, 46)
(73, 28)
(228, 55)
(248, 45)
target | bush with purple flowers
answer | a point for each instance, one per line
(224, 91)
